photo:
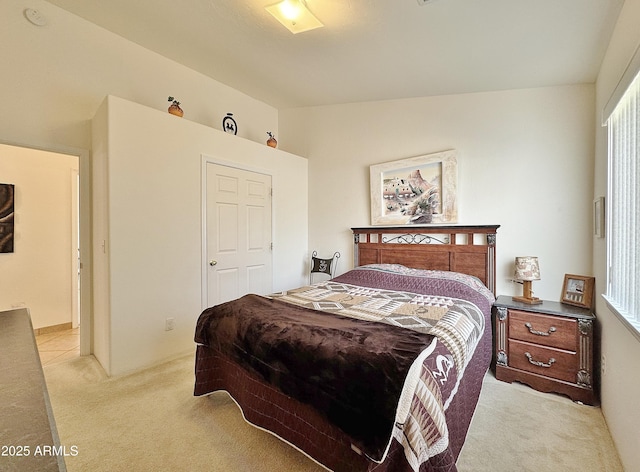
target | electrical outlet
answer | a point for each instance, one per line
(170, 323)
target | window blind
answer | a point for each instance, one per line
(623, 281)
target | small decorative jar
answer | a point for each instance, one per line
(174, 108)
(271, 142)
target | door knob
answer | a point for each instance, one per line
(212, 263)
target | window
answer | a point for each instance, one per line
(623, 243)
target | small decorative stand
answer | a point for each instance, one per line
(271, 142)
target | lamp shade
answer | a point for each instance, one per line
(527, 268)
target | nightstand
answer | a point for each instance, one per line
(548, 346)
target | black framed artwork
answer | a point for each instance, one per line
(7, 192)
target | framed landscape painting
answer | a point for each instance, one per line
(417, 190)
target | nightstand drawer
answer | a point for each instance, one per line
(547, 330)
(550, 362)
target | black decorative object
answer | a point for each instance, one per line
(7, 192)
(229, 124)
(323, 266)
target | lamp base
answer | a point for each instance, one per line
(526, 294)
(530, 301)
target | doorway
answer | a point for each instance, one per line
(51, 273)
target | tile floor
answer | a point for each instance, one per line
(58, 346)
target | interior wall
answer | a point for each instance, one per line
(621, 350)
(525, 162)
(148, 227)
(38, 274)
(60, 73)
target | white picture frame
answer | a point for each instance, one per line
(416, 190)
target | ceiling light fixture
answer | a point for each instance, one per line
(294, 15)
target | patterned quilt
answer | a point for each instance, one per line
(432, 381)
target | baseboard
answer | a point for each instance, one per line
(53, 329)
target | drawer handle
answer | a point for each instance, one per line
(539, 363)
(540, 333)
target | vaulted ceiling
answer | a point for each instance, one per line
(369, 49)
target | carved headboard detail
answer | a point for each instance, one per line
(466, 249)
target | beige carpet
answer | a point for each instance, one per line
(150, 421)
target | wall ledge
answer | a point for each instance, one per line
(623, 319)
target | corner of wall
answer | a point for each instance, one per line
(101, 325)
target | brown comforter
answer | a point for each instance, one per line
(350, 370)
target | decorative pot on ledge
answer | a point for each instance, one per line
(174, 108)
(271, 142)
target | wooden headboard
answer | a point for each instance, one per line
(466, 249)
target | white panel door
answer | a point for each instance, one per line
(238, 233)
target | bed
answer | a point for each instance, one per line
(378, 369)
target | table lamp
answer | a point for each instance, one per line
(527, 269)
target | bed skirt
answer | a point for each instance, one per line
(303, 427)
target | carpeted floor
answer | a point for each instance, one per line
(516, 428)
(150, 421)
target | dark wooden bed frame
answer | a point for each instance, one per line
(466, 249)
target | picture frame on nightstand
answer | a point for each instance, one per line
(577, 290)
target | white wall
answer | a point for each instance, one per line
(621, 382)
(57, 75)
(38, 273)
(147, 210)
(525, 161)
